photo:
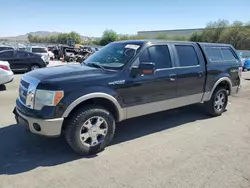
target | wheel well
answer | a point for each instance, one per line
(105, 103)
(225, 85)
(35, 64)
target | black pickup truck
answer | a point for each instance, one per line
(123, 80)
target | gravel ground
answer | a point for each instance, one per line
(178, 148)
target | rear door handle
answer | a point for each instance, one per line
(172, 77)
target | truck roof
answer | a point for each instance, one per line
(145, 41)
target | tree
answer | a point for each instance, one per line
(213, 31)
(237, 35)
(196, 37)
(108, 37)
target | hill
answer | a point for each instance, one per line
(36, 33)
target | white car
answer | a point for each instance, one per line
(51, 55)
(6, 75)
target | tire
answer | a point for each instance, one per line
(82, 123)
(211, 106)
(34, 67)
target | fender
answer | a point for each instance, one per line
(121, 111)
(209, 94)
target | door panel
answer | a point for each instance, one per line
(191, 72)
(145, 89)
(150, 88)
(21, 61)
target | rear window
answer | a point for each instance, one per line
(39, 50)
(227, 54)
(214, 54)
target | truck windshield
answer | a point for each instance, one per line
(114, 55)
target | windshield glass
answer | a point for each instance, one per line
(114, 55)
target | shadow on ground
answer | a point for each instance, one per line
(22, 151)
(2, 87)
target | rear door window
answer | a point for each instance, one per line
(187, 55)
(22, 54)
(228, 55)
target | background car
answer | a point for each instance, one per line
(43, 51)
(51, 55)
(22, 61)
(246, 65)
(6, 75)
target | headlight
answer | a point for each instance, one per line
(47, 98)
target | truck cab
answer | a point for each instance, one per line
(123, 80)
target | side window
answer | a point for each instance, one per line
(214, 54)
(22, 54)
(227, 54)
(187, 55)
(7, 54)
(157, 54)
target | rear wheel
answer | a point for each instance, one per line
(90, 130)
(218, 102)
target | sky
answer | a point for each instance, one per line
(92, 17)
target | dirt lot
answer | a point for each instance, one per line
(178, 148)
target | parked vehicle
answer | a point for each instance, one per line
(246, 65)
(123, 80)
(51, 55)
(6, 75)
(22, 61)
(41, 51)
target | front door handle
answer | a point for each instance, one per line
(172, 77)
(200, 74)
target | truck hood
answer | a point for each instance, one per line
(66, 72)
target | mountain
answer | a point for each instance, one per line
(36, 33)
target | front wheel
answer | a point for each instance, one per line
(218, 102)
(34, 67)
(90, 130)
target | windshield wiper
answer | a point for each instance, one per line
(95, 65)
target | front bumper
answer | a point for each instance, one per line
(45, 127)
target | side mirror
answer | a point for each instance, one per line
(146, 68)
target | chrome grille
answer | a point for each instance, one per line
(27, 91)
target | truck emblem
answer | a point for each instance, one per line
(117, 82)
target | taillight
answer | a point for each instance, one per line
(240, 71)
(4, 67)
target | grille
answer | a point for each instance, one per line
(27, 90)
(23, 90)
(25, 84)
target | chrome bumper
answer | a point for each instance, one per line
(45, 127)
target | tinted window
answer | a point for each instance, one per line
(5, 48)
(22, 54)
(227, 54)
(157, 54)
(39, 50)
(187, 56)
(214, 54)
(7, 54)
